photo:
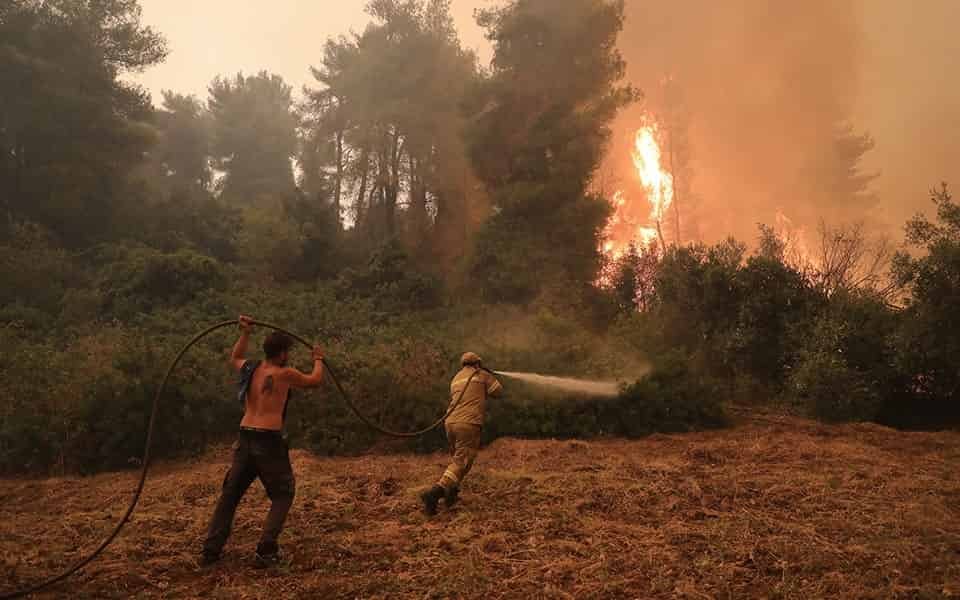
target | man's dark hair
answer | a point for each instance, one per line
(276, 344)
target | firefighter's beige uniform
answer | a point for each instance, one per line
(465, 423)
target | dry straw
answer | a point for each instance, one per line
(774, 508)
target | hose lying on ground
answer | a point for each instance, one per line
(153, 418)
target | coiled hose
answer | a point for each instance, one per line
(153, 418)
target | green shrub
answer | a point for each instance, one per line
(392, 281)
(34, 273)
(845, 369)
(141, 279)
(829, 389)
(90, 411)
(927, 340)
(776, 302)
(669, 399)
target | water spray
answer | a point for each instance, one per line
(582, 386)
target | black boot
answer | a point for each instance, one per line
(264, 561)
(451, 494)
(267, 555)
(209, 558)
(431, 498)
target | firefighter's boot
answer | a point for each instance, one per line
(451, 494)
(431, 498)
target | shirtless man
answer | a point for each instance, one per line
(261, 451)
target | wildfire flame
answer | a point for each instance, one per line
(638, 222)
(631, 222)
(656, 181)
(796, 251)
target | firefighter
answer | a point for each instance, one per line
(463, 427)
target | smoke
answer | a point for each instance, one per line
(910, 99)
(769, 100)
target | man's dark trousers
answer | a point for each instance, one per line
(256, 454)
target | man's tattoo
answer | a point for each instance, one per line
(267, 385)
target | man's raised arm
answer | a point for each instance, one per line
(302, 380)
(239, 352)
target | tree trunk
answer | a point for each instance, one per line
(392, 183)
(13, 167)
(18, 202)
(338, 185)
(361, 196)
(8, 167)
(418, 202)
(676, 192)
(382, 183)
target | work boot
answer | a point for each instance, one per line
(262, 561)
(451, 494)
(430, 499)
(209, 558)
(267, 555)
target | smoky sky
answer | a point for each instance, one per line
(221, 37)
(763, 84)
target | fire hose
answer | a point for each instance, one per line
(153, 418)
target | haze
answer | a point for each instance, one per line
(284, 37)
(765, 85)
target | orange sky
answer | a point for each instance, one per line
(910, 97)
(766, 81)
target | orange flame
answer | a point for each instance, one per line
(630, 223)
(656, 181)
(796, 251)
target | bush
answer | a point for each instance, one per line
(669, 399)
(186, 218)
(829, 389)
(140, 279)
(928, 338)
(90, 411)
(393, 282)
(396, 377)
(845, 369)
(34, 272)
(734, 319)
(270, 245)
(776, 303)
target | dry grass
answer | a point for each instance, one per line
(774, 508)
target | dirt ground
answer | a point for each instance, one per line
(774, 508)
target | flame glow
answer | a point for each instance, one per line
(795, 249)
(656, 181)
(639, 221)
(636, 222)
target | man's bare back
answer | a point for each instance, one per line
(271, 383)
(267, 398)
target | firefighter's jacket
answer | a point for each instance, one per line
(473, 406)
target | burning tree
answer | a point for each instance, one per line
(639, 224)
(537, 133)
